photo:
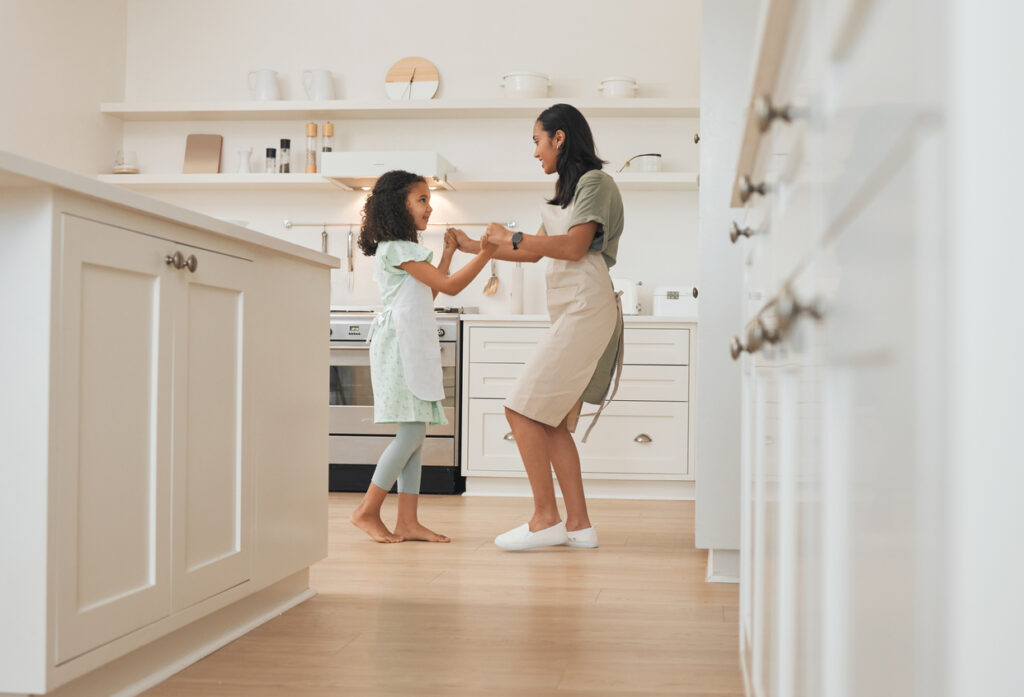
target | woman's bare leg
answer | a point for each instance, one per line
(532, 441)
(565, 459)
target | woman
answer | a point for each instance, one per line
(574, 361)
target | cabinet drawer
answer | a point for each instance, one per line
(639, 382)
(645, 346)
(502, 344)
(631, 438)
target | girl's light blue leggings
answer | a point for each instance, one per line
(401, 459)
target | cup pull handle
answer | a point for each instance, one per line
(642, 438)
(509, 436)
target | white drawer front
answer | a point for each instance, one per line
(631, 438)
(656, 346)
(503, 344)
(668, 383)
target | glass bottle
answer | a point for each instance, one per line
(311, 148)
(328, 141)
(271, 167)
(284, 164)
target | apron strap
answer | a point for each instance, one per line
(618, 368)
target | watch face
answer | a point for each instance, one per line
(411, 78)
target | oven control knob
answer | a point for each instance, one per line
(440, 332)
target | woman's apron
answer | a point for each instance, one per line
(418, 344)
(586, 325)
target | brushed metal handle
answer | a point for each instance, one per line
(736, 348)
(748, 188)
(642, 438)
(509, 436)
(737, 232)
(177, 260)
(696, 138)
(768, 112)
(192, 263)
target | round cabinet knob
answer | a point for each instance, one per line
(768, 112)
(509, 437)
(736, 348)
(192, 263)
(440, 332)
(748, 188)
(696, 137)
(737, 232)
(177, 260)
(642, 438)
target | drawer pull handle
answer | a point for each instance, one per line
(177, 260)
(642, 438)
(768, 112)
(192, 263)
(509, 436)
(748, 188)
(738, 232)
(736, 348)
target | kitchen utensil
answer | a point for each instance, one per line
(675, 301)
(648, 162)
(125, 162)
(618, 87)
(522, 85)
(630, 295)
(319, 84)
(515, 293)
(491, 287)
(263, 85)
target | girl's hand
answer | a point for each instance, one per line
(487, 248)
(498, 234)
(462, 240)
(451, 243)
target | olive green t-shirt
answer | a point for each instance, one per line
(597, 200)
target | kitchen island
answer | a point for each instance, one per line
(163, 431)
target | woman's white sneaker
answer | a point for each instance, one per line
(521, 538)
(587, 537)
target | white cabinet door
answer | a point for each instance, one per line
(212, 498)
(111, 402)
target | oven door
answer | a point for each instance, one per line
(351, 394)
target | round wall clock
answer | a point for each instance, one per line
(411, 78)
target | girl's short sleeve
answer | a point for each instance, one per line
(397, 252)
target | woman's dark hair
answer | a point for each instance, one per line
(385, 216)
(577, 154)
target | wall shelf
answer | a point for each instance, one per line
(652, 181)
(351, 109)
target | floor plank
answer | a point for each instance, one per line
(466, 619)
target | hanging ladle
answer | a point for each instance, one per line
(491, 287)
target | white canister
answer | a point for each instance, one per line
(521, 85)
(648, 162)
(263, 85)
(618, 87)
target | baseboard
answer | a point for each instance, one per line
(155, 662)
(595, 488)
(723, 566)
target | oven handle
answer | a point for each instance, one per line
(361, 355)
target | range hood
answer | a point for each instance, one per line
(359, 170)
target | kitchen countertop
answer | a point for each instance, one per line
(628, 319)
(20, 172)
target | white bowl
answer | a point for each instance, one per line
(650, 162)
(521, 85)
(618, 87)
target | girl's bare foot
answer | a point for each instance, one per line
(373, 526)
(415, 531)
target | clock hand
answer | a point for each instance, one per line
(410, 82)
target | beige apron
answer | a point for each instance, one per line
(585, 317)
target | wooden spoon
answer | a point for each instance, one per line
(491, 287)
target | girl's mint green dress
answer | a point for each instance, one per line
(393, 401)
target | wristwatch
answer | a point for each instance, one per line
(517, 237)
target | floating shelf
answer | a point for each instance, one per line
(348, 109)
(653, 181)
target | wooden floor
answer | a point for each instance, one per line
(633, 617)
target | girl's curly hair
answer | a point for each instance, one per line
(385, 216)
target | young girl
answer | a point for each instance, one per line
(405, 355)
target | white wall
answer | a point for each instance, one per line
(59, 60)
(728, 30)
(202, 51)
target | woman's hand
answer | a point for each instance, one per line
(487, 247)
(462, 240)
(498, 234)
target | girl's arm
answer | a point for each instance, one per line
(571, 247)
(467, 244)
(439, 282)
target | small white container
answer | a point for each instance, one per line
(521, 85)
(675, 301)
(649, 162)
(618, 87)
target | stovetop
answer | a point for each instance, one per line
(369, 309)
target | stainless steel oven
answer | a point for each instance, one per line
(356, 442)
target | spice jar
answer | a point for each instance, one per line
(328, 144)
(271, 166)
(311, 148)
(284, 164)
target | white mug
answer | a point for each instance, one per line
(263, 85)
(319, 85)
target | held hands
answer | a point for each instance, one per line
(451, 243)
(497, 234)
(462, 240)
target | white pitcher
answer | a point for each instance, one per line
(319, 85)
(263, 85)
